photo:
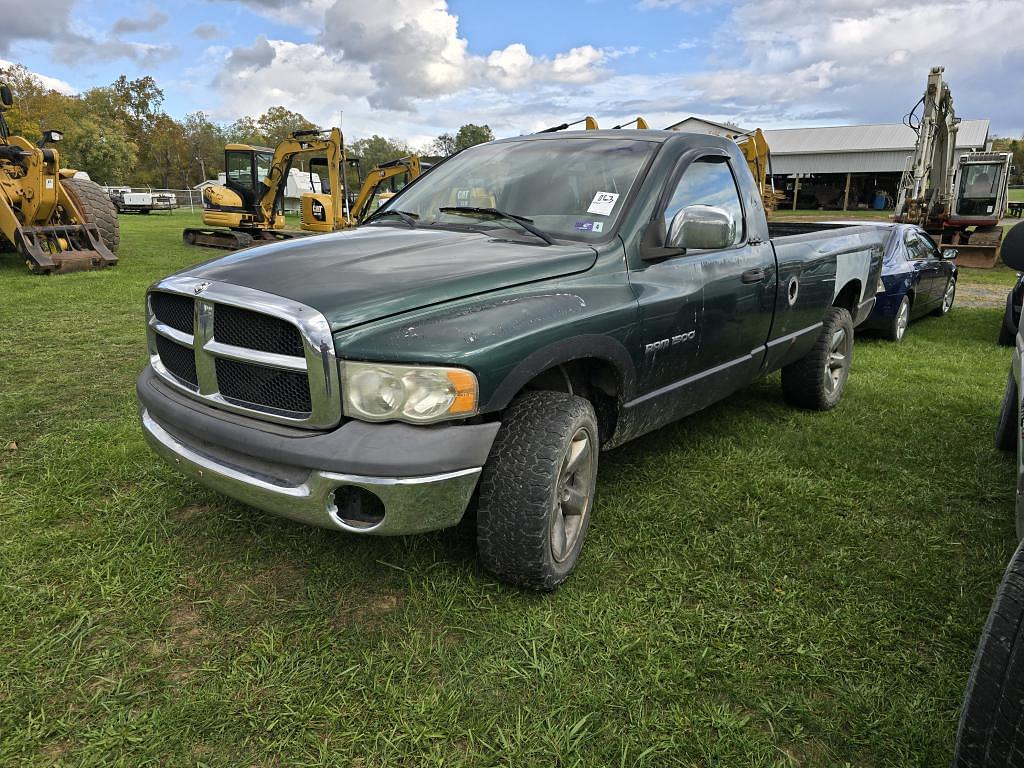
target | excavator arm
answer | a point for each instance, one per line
(404, 165)
(306, 143)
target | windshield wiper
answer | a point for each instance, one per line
(405, 216)
(494, 213)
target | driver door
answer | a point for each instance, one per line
(706, 314)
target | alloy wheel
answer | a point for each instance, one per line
(573, 490)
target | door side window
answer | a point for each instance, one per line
(915, 248)
(707, 181)
(920, 247)
(928, 248)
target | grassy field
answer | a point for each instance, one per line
(1017, 195)
(761, 586)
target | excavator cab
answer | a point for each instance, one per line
(245, 168)
(980, 186)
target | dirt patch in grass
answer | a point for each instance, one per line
(364, 608)
(981, 296)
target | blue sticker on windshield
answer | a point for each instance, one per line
(590, 226)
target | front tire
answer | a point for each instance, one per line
(817, 380)
(537, 490)
(97, 208)
(991, 726)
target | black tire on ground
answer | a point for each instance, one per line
(538, 473)
(97, 208)
(991, 731)
(944, 308)
(1006, 427)
(1006, 336)
(901, 321)
(817, 380)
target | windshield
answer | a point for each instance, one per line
(572, 188)
(979, 188)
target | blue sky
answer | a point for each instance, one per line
(411, 69)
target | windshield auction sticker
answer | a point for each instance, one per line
(603, 203)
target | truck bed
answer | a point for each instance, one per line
(779, 229)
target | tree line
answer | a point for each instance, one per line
(120, 135)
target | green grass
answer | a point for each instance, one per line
(1017, 195)
(761, 586)
(817, 215)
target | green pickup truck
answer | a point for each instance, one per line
(522, 306)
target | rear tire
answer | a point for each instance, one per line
(948, 297)
(991, 730)
(537, 490)
(98, 209)
(898, 327)
(1006, 336)
(1006, 427)
(817, 380)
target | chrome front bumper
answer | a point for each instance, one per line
(411, 504)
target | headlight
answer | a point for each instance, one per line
(420, 394)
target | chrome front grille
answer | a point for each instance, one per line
(245, 351)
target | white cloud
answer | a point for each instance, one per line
(396, 59)
(54, 83)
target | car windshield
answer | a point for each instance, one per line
(573, 188)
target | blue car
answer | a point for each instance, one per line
(919, 279)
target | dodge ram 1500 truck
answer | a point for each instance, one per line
(499, 321)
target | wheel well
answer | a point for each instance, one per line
(849, 297)
(591, 378)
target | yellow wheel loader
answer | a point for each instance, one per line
(55, 222)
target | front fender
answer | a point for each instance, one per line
(508, 337)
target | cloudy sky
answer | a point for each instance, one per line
(415, 68)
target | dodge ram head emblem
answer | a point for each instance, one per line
(199, 288)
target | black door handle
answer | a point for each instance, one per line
(753, 275)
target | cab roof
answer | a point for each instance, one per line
(249, 148)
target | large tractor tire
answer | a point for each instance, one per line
(98, 209)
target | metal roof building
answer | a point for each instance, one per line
(842, 166)
(857, 148)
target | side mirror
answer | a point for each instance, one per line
(949, 253)
(6, 97)
(1013, 248)
(701, 227)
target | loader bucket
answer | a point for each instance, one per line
(63, 248)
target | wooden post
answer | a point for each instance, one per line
(796, 191)
(846, 194)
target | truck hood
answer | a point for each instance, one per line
(373, 272)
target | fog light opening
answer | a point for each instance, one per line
(358, 508)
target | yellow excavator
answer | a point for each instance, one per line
(755, 149)
(377, 187)
(249, 207)
(55, 222)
